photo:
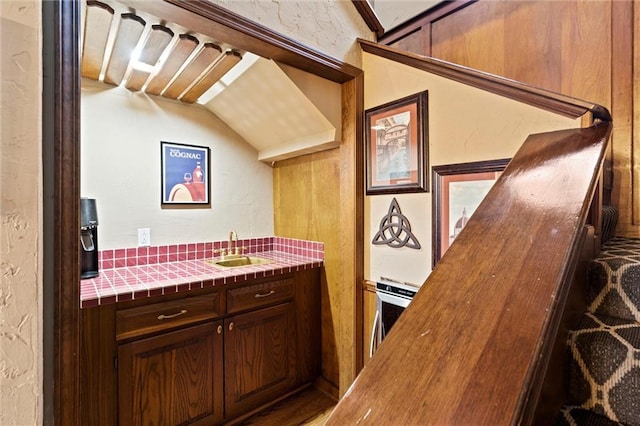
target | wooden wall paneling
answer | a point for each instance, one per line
(327, 223)
(622, 109)
(418, 41)
(585, 56)
(532, 47)
(473, 36)
(294, 194)
(580, 49)
(418, 27)
(306, 206)
(320, 197)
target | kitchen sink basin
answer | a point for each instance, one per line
(237, 262)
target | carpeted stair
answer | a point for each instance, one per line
(604, 349)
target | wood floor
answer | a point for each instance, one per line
(310, 407)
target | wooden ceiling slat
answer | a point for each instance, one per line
(136, 80)
(159, 38)
(96, 32)
(193, 70)
(229, 60)
(129, 32)
(181, 51)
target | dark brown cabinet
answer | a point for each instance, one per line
(205, 357)
(259, 357)
(173, 378)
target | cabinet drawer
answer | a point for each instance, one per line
(161, 316)
(256, 295)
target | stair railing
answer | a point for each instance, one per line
(474, 345)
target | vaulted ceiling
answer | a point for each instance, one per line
(272, 106)
(146, 53)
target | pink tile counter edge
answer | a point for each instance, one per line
(134, 273)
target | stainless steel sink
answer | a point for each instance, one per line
(236, 262)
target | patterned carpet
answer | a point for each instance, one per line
(604, 349)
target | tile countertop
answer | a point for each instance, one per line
(128, 274)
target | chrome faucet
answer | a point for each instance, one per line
(233, 236)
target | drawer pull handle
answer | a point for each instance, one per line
(261, 295)
(219, 329)
(163, 316)
(231, 326)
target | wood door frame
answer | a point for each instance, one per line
(61, 176)
(61, 207)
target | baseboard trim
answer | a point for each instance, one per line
(327, 387)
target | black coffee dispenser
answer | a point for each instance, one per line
(89, 237)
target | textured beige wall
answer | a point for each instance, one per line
(329, 26)
(20, 207)
(465, 124)
(241, 186)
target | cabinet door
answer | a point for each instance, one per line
(173, 378)
(259, 357)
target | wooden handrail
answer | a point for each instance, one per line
(541, 98)
(473, 345)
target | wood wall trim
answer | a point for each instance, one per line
(369, 16)
(352, 194)
(550, 101)
(635, 141)
(218, 23)
(61, 176)
(368, 285)
(423, 20)
(209, 19)
(473, 345)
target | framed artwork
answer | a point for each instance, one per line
(185, 173)
(458, 190)
(396, 146)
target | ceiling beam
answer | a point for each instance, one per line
(157, 41)
(129, 32)
(181, 51)
(211, 20)
(193, 70)
(98, 19)
(227, 61)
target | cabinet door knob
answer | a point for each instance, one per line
(219, 329)
(163, 316)
(230, 326)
